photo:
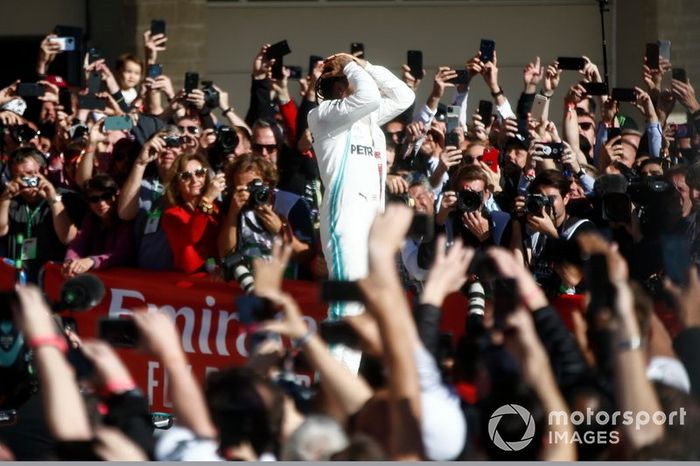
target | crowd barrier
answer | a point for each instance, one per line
(203, 309)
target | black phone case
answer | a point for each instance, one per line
(485, 112)
(571, 63)
(414, 60)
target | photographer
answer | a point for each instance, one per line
(257, 213)
(469, 211)
(547, 221)
(36, 220)
(141, 198)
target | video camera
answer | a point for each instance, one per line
(647, 192)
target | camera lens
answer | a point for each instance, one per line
(469, 201)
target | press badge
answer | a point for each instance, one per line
(152, 222)
(29, 249)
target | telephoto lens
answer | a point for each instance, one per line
(477, 299)
(235, 267)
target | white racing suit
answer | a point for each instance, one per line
(351, 153)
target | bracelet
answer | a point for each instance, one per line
(117, 386)
(496, 94)
(298, 344)
(55, 341)
(634, 343)
(206, 207)
(545, 95)
(224, 112)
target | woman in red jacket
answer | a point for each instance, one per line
(191, 222)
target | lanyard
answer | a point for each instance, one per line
(31, 215)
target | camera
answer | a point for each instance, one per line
(234, 266)
(226, 142)
(553, 150)
(23, 133)
(30, 181)
(468, 201)
(211, 95)
(649, 193)
(260, 193)
(403, 198)
(172, 140)
(535, 202)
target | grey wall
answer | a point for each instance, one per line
(448, 35)
(38, 17)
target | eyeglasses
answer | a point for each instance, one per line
(267, 147)
(189, 176)
(100, 197)
(189, 129)
(585, 126)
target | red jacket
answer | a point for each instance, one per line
(192, 237)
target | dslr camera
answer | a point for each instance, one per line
(235, 266)
(535, 202)
(226, 142)
(647, 192)
(172, 140)
(260, 193)
(211, 95)
(468, 201)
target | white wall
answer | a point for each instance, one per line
(447, 34)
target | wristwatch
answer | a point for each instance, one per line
(580, 173)
(496, 94)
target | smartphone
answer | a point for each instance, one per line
(675, 251)
(66, 44)
(595, 88)
(357, 49)
(553, 150)
(338, 290)
(538, 106)
(65, 100)
(155, 70)
(157, 27)
(278, 50)
(30, 90)
(505, 300)
(252, 309)
(414, 60)
(94, 83)
(487, 47)
(486, 112)
(118, 123)
(679, 74)
(652, 55)
(451, 137)
(571, 63)
(598, 283)
(93, 55)
(490, 158)
(339, 332)
(422, 227)
(191, 81)
(624, 94)
(90, 102)
(294, 72)
(682, 131)
(613, 133)
(665, 49)
(120, 333)
(313, 60)
(277, 68)
(461, 78)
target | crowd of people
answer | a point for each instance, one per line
(131, 172)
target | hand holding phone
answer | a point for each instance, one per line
(487, 49)
(157, 27)
(357, 49)
(278, 50)
(571, 63)
(414, 60)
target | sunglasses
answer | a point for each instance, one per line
(100, 197)
(268, 147)
(189, 176)
(189, 129)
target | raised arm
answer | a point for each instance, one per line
(396, 95)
